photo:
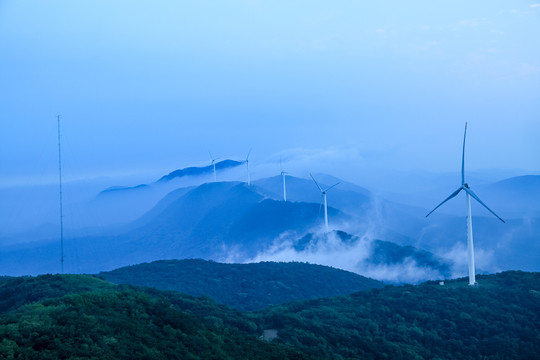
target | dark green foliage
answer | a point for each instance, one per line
(499, 319)
(123, 323)
(84, 317)
(18, 291)
(207, 308)
(244, 286)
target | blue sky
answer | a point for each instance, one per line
(147, 87)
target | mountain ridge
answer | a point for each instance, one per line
(244, 286)
(195, 171)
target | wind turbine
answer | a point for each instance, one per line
(283, 173)
(213, 165)
(247, 166)
(469, 193)
(323, 192)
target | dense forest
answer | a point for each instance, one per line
(498, 319)
(244, 286)
(120, 322)
(77, 316)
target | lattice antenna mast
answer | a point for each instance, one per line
(61, 202)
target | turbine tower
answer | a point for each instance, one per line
(213, 165)
(61, 202)
(283, 173)
(323, 192)
(468, 193)
(247, 166)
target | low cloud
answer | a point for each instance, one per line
(324, 249)
(458, 256)
(330, 250)
(407, 271)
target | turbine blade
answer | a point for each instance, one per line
(463, 157)
(445, 200)
(249, 152)
(332, 186)
(470, 192)
(316, 183)
(211, 157)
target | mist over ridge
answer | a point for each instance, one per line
(231, 222)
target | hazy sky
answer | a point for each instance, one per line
(150, 86)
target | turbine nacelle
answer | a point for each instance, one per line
(323, 193)
(213, 164)
(320, 188)
(247, 157)
(283, 173)
(247, 166)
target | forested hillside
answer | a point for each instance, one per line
(75, 316)
(244, 286)
(498, 319)
(111, 322)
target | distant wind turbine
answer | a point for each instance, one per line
(283, 173)
(469, 193)
(213, 164)
(247, 166)
(323, 192)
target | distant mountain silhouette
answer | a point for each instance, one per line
(526, 183)
(215, 221)
(123, 188)
(220, 220)
(194, 171)
(353, 200)
(514, 197)
(118, 205)
(230, 221)
(121, 204)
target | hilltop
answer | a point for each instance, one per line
(243, 286)
(196, 171)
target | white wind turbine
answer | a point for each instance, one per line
(283, 173)
(469, 193)
(213, 164)
(323, 192)
(247, 166)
